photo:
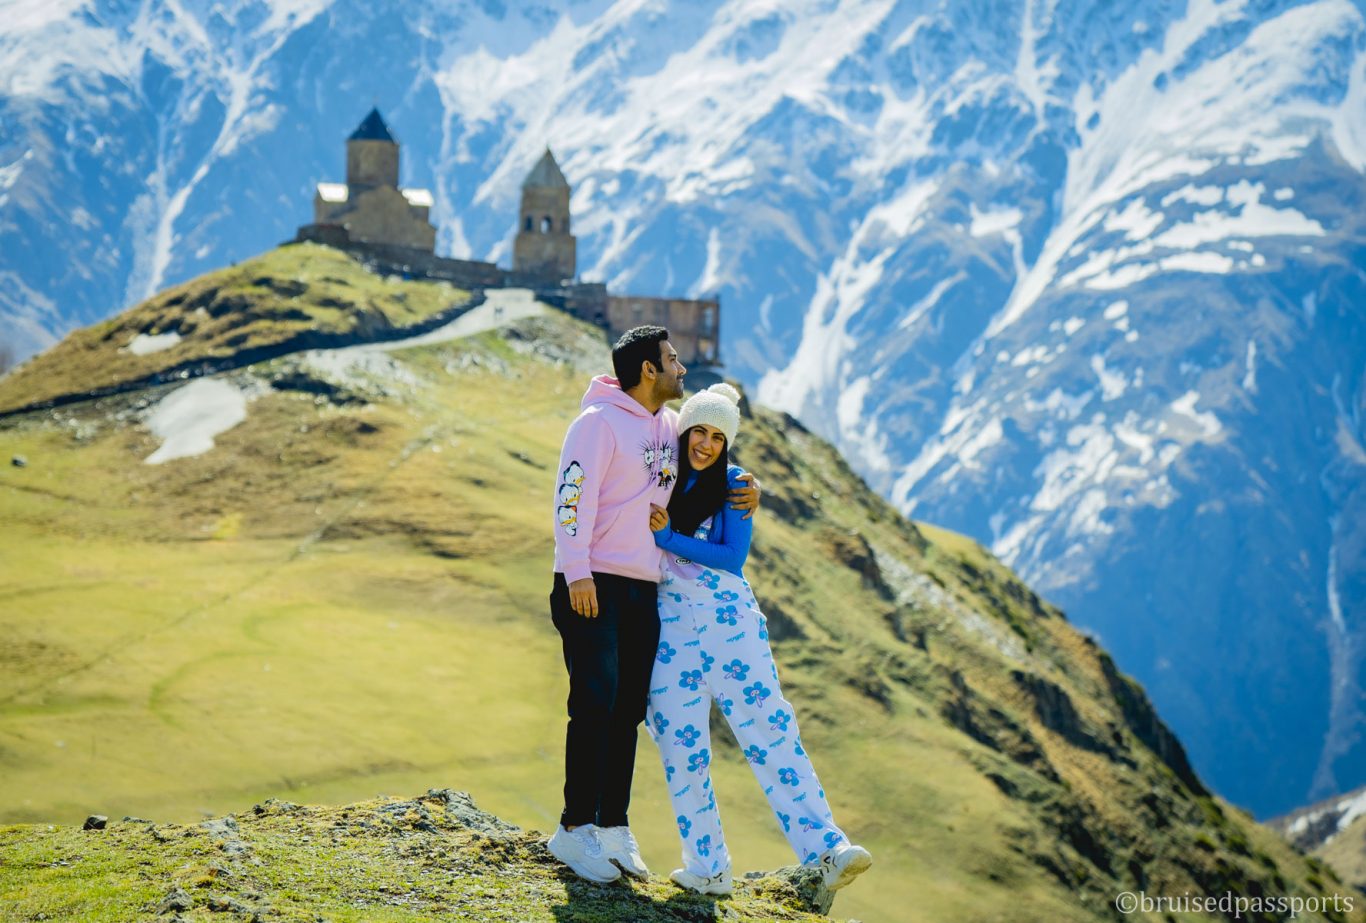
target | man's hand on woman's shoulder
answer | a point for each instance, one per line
(746, 498)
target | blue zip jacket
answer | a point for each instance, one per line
(727, 545)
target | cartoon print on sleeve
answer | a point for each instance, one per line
(571, 488)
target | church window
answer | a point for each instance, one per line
(546, 225)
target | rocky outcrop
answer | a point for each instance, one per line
(436, 856)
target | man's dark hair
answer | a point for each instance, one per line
(637, 345)
(687, 508)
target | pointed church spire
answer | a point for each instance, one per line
(372, 129)
(546, 174)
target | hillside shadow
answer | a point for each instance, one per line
(586, 902)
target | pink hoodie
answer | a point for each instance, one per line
(617, 459)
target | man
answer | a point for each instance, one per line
(619, 457)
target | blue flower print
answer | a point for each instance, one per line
(737, 670)
(809, 858)
(665, 652)
(778, 720)
(699, 761)
(755, 695)
(832, 839)
(755, 754)
(797, 747)
(661, 723)
(707, 661)
(727, 704)
(684, 825)
(763, 628)
(688, 737)
(787, 821)
(704, 845)
(690, 679)
(709, 580)
(809, 824)
(726, 615)
(726, 596)
(669, 773)
(786, 776)
(676, 597)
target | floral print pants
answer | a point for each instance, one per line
(713, 647)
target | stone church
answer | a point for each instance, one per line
(390, 227)
(370, 205)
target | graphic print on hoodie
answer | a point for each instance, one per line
(617, 459)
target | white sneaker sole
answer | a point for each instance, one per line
(856, 867)
(642, 873)
(709, 891)
(579, 869)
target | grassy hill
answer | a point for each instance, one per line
(346, 597)
(286, 300)
(1347, 852)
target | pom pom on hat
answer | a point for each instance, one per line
(718, 406)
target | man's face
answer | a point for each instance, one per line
(669, 382)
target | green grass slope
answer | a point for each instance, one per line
(346, 597)
(292, 298)
(1346, 853)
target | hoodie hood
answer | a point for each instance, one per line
(604, 389)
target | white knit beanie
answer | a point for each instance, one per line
(718, 406)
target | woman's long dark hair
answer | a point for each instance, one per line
(687, 508)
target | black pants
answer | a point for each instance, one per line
(609, 659)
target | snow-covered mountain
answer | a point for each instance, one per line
(1083, 279)
(1311, 827)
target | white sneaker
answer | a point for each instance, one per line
(843, 863)
(702, 884)
(580, 850)
(620, 846)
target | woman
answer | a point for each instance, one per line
(713, 646)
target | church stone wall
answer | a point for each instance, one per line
(381, 215)
(371, 163)
(694, 328)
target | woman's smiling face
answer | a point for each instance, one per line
(704, 445)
